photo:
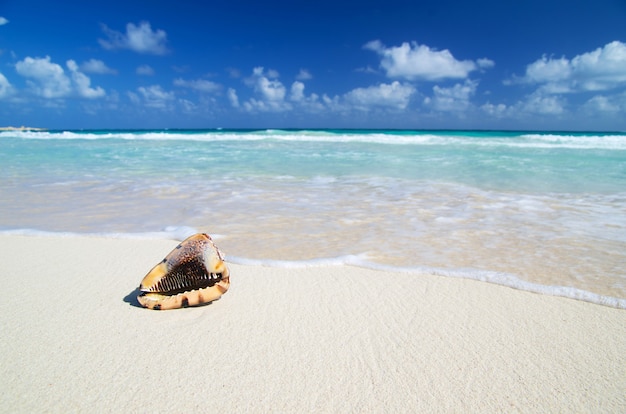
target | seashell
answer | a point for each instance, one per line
(194, 273)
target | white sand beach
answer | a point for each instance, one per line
(317, 339)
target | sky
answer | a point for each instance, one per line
(440, 64)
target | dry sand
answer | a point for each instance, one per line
(318, 339)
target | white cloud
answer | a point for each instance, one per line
(485, 63)
(603, 69)
(144, 70)
(271, 73)
(548, 70)
(200, 85)
(3, 21)
(273, 96)
(537, 103)
(414, 61)
(310, 103)
(139, 39)
(154, 97)
(82, 82)
(49, 80)
(602, 105)
(497, 111)
(455, 98)
(540, 104)
(297, 91)
(6, 89)
(258, 105)
(97, 66)
(335, 104)
(304, 74)
(394, 95)
(232, 97)
(271, 92)
(599, 70)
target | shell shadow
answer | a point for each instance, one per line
(131, 298)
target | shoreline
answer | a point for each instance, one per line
(358, 261)
(324, 339)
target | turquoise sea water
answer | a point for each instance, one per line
(542, 211)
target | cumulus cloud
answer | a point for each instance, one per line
(413, 62)
(309, 103)
(233, 98)
(269, 90)
(600, 70)
(297, 91)
(6, 89)
(271, 95)
(83, 83)
(3, 21)
(495, 110)
(48, 79)
(141, 39)
(200, 85)
(97, 66)
(453, 99)
(545, 105)
(144, 70)
(304, 75)
(485, 63)
(601, 104)
(266, 84)
(537, 103)
(153, 97)
(394, 95)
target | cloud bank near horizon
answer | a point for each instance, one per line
(421, 80)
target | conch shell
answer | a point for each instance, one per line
(192, 274)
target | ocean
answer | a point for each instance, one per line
(539, 211)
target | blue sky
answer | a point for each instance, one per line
(546, 64)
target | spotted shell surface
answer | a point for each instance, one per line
(192, 274)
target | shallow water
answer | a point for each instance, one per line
(538, 209)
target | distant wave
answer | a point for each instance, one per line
(498, 278)
(607, 141)
(579, 141)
